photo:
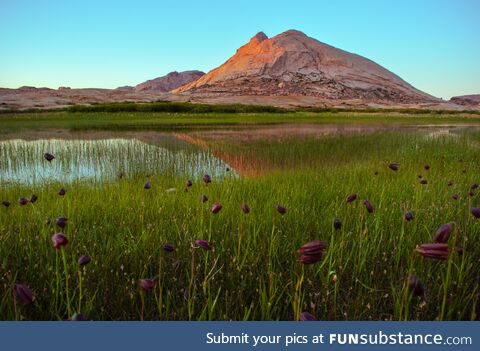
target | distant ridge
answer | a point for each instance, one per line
(467, 100)
(171, 81)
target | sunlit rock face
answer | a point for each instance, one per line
(292, 63)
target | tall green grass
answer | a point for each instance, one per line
(253, 272)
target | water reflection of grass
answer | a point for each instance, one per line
(287, 154)
(253, 272)
(101, 160)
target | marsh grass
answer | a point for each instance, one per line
(253, 271)
(171, 120)
(100, 160)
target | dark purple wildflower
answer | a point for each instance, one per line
(62, 191)
(415, 286)
(48, 157)
(337, 223)
(59, 240)
(409, 216)
(443, 233)
(189, 183)
(84, 260)
(207, 179)
(376, 173)
(245, 209)
(393, 166)
(450, 182)
(147, 185)
(23, 294)
(22, 201)
(5, 203)
(455, 196)
(204, 198)
(419, 176)
(473, 186)
(426, 167)
(475, 211)
(33, 198)
(282, 210)
(423, 182)
(216, 208)
(204, 244)
(437, 251)
(470, 194)
(368, 206)
(312, 252)
(313, 247)
(61, 221)
(351, 197)
(147, 284)
(168, 247)
(306, 317)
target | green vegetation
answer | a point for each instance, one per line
(253, 271)
(175, 107)
(200, 108)
(96, 120)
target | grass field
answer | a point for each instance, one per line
(123, 121)
(253, 271)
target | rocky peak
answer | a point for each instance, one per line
(291, 63)
(292, 32)
(258, 38)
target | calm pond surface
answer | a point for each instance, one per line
(102, 158)
(227, 152)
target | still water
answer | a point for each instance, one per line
(97, 160)
(229, 152)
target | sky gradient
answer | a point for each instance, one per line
(433, 45)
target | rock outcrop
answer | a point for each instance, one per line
(467, 100)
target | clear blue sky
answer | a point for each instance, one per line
(434, 45)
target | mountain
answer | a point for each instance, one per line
(171, 81)
(293, 64)
(467, 100)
